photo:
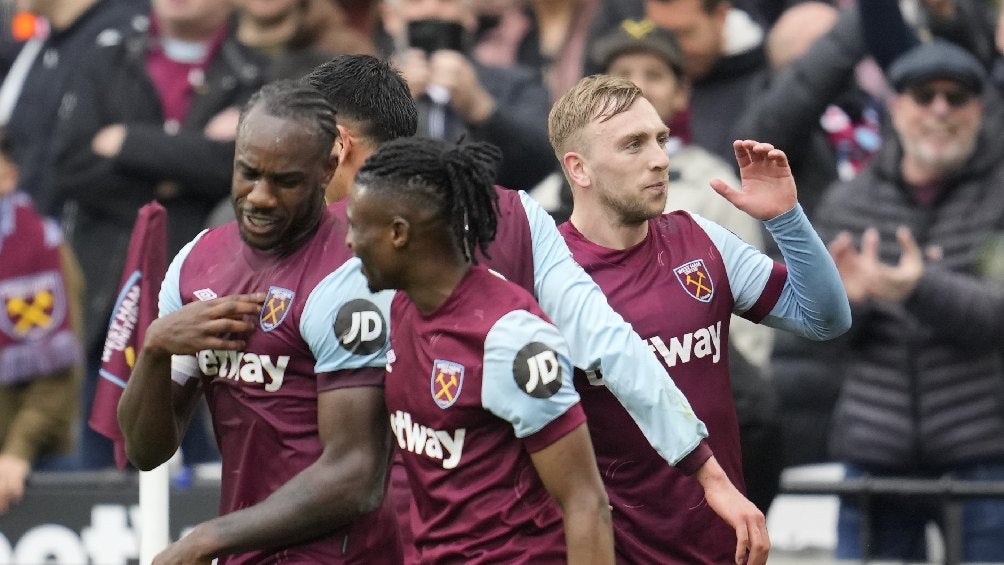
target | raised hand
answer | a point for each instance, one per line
(768, 187)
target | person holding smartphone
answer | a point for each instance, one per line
(460, 99)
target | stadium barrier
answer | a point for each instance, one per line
(949, 492)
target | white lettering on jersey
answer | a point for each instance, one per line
(436, 444)
(699, 344)
(248, 367)
(366, 326)
(544, 368)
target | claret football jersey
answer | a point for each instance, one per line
(472, 389)
(319, 329)
(676, 290)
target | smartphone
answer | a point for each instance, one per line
(432, 35)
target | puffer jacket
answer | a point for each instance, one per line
(924, 384)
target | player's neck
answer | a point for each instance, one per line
(604, 229)
(429, 288)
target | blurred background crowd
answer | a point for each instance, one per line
(106, 105)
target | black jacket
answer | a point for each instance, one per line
(924, 386)
(33, 118)
(103, 195)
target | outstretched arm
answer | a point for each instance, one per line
(344, 483)
(567, 468)
(154, 411)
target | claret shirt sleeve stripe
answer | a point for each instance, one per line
(770, 295)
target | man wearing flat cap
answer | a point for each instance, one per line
(918, 238)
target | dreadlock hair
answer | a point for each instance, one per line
(287, 98)
(457, 181)
(371, 93)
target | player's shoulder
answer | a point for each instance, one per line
(215, 242)
(506, 296)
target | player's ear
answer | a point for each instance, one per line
(400, 232)
(343, 145)
(577, 169)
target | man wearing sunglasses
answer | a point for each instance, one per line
(918, 238)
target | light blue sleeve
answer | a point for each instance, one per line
(169, 298)
(813, 299)
(747, 267)
(345, 325)
(527, 375)
(183, 367)
(812, 303)
(599, 338)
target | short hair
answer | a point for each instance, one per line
(456, 181)
(294, 99)
(593, 97)
(369, 92)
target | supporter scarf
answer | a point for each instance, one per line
(36, 339)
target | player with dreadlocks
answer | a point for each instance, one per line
(466, 374)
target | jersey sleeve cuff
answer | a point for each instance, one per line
(555, 429)
(770, 295)
(348, 378)
(693, 460)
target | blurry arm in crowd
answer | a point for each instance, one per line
(785, 113)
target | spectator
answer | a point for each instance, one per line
(502, 400)
(649, 56)
(921, 393)
(340, 26)
(41, 363)
(32, 91)
(811, 101)
(300, 419)
(150, 116)
(723, 56)
(458, 98)
(552, 37)
(293, 34)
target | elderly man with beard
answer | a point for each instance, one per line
(917, 238)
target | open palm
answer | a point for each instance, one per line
(768, 187)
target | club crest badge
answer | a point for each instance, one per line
(695, 280)
(32, 305)
(447, 380)
(277, 304)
